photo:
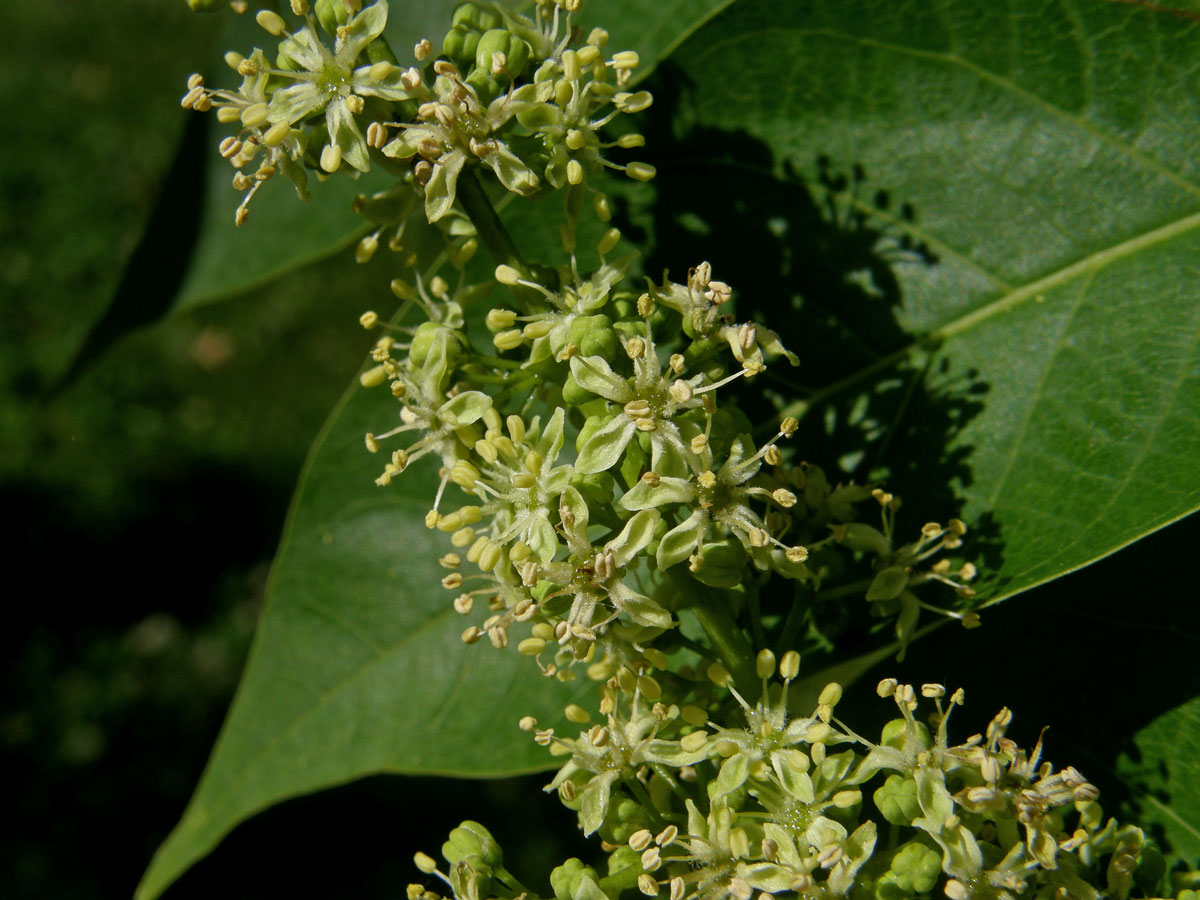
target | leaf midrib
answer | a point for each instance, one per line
(1088, 265)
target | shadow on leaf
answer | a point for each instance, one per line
(812, 249)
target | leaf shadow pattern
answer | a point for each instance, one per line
(815, 256)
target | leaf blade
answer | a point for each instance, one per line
(1053, 204)
(344, 679)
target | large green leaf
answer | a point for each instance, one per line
(1028, 243)
(988, 216)
(1163, 773)
(357, 667)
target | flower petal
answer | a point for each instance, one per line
(440, 191)
(605, 447)
(343, 132)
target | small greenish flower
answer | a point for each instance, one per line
(572, 326)
(455, 128)
(519, 482)
(595, 577)
(605, 755)
(720, 504)
(332, 82)
(648, 403)
(699, 302)
(275, 104)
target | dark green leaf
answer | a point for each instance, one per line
(1163, 773)
(987, 218)
(357, 666)
(651, 27)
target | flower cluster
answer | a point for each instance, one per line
(609, 507)
(799, 805)
(306, 106)
(507, 93)
(667, 495)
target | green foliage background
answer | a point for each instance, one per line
(1023, 175)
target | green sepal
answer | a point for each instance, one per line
(669, 753)
(636, 534)
(645, 495)
(604, 448)
(644, 611)
(888, 583)
(588, 889)
(722, 564)
(680, 542)
(765, 876)
(798, 784)
(855, 852)
(465, 408)
(733, 774)
(539, 117)
(787, 854)
(512, 173)
(551, 440)
(596, 797)
(543, 539)
(595, 374)
(633, 464)
(442, 187)
(852, 535)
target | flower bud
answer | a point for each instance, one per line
(470, 839)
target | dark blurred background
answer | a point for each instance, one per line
(145, 498)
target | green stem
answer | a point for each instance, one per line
(665, 774)
(711, 609)
(503, 875)
(495, 237)
(756, 628)
(499, 243)
(639, 792)
(791, 626)
(858, 587)
(619, 882)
